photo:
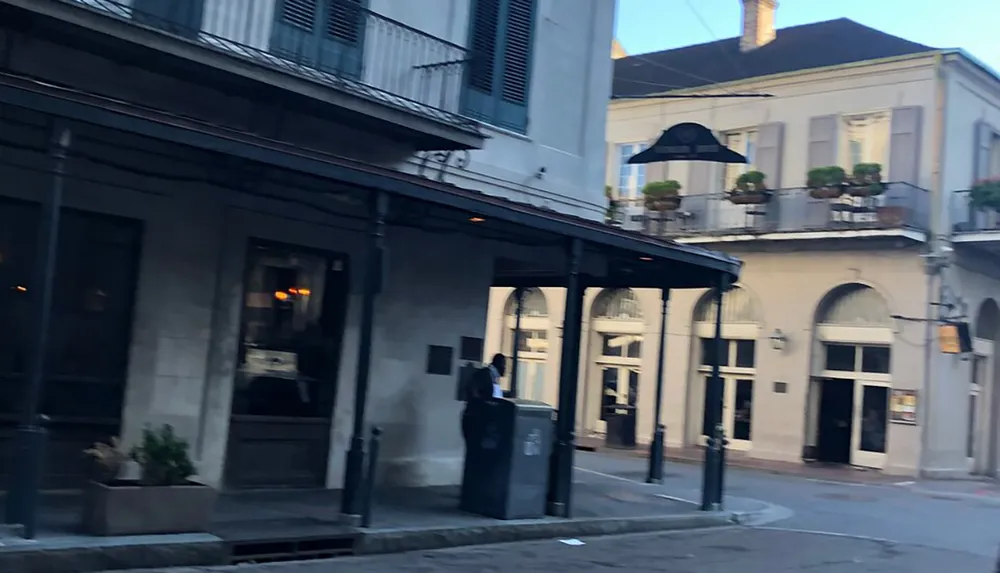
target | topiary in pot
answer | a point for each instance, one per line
(826, 182)
(866, 180)
(163, 457)
(662, 195)
(985, 194)
(750, 189)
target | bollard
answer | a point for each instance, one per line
(709, 476)
(721, 441)
(655, 474)
(369, 493)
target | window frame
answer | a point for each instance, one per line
(748, 148)
(635, 175)
(844, 155)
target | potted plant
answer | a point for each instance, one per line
(985, 194)
(613, 210)
(866, 180)
(826, 182)
(750, 189)
(662, 195)
(162, 500)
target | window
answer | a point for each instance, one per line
(621, 346)
(500, 42)
(735, 353)
(864, 138)
(852, 358)
(631, 178)
(745, 143)
(531, 341)
(324, 34)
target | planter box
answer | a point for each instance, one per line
(749, 198)
(891, 216)
(664, 203)
(826, 192)
(126, 508)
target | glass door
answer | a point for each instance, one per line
(870, 427)
(620, 390)
(737, 412)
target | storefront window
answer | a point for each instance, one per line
(288, 347)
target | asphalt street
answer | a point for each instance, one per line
(811, 526)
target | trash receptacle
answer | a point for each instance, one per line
(506, 471)
(620, 420)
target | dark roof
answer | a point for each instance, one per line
(822, 44)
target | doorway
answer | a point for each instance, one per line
(836, 417)
(737, 412)
(294, 306)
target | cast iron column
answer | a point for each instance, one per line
(519, 309)
(354, 470)
(655, 474)
(561, 474)
(712, 471)
(32, 435)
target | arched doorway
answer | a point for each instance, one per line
(848, 410)
(981, 441)
(740, 331)
(533, 347)
(617, 325)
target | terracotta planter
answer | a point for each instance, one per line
(126, 508)
(829, 192)
(890, 216)
(750, 198)
(664, 204)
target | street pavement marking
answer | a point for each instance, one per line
(612, 476)
(828, 534)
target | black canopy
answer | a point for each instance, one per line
(687, 142)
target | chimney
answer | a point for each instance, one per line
(758, 23)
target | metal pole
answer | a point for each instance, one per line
(32, 435)
(373, 448)
(655, 474)
(354, 470)
(561, 469)
(712, 472)
(518, 311)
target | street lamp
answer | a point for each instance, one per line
(778, 340)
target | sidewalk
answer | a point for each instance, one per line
(262, 526)
(815, 471)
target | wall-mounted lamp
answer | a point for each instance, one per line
(778, 339)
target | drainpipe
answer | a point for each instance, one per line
(934, 259)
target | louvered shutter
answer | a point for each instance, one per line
(484, 26)
(981, 150)
(179, 17)
(822, 141)
(518, 40)
(342, 41)
(294, 35)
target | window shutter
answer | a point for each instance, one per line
(342, 38)
(655, 171)
(822, 141)
(770, 140)
(294, 34)
(484, 28)
(518, 39)
(179, 17)
(981, 151)
(344, 21)
(904, 145)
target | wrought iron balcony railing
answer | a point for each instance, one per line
(353, 49)
(968, 219)
(901, 206)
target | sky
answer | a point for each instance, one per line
(973, 25)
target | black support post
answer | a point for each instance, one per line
(32, 435)
(712, 470)
(518, 311)
(354, 471)
(655, 474)
(561, 474)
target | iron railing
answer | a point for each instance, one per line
(360, 52)
(968, 219)
(901, 206)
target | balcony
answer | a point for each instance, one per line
(902, 210)
(973, 226)
(373, 68)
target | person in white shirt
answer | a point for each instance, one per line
(497, 367)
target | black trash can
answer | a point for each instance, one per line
(506, 472)
(620, 420)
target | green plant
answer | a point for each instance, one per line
(109, 459)
(866, 180)
(750, 182)
(662, 195)
(832, 176)
(163, 457)
(985, 194)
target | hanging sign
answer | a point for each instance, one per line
(903, 407)
(954, 338)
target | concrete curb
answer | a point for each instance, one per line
(143, 553)
(401, 540)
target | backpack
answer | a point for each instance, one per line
(480, 384)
